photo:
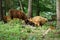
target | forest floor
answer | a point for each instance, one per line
(15, 30)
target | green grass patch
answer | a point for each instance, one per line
(14, 30)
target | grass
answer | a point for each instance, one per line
(16, 30)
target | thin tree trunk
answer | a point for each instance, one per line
(1, 10)
(30, 9)
(21, 5)
(37, 10)
(58, 13)
(2, 13)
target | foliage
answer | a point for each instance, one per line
(44, 5)
(16, 30)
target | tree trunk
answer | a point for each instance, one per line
(21, 6)
(37, 10)
(2, 13)
(58, 13)
(1, 10)
(30, 9)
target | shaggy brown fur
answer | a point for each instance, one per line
(17, 14)
(6, 19)
(20, 15)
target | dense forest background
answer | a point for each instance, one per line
(39, 7)
(16, 30)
